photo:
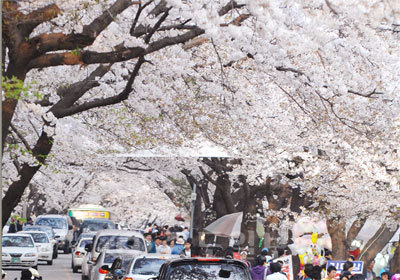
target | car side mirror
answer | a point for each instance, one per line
(57, 237)
(73, 243)
(88, 247)
(69, 227)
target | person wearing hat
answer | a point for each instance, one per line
(186, 252)
(176, 250)
(243, 257)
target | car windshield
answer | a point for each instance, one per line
(39, 237)
(57, 223)
(17, 241)
(119, 242)
(88, 226)
(145, 266)
(207, 271)
(47, 230)
(109, 259)
(84, 242)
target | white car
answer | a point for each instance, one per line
(50, 233)
(144, 267)
(45, 247)
(18, 249)
(105, 262)
(79, 252)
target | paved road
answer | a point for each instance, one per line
(60, 270)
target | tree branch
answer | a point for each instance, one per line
(69, 95)
(27, 146)
(156, 26)
(105, 101)
(367, 95)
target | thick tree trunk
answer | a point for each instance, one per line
(376, 244)
(338, 236)
(395, 262)
(16, 190)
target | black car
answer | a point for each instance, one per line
(204, 269)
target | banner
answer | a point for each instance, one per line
(287, 266)
(357, 266)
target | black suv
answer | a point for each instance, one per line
(203, 269)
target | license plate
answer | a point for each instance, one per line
(15, 260)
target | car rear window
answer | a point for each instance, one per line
(145, 266)
(39, 237)
(109, 259)
(207, 271)
(119, 242)
(58, 223)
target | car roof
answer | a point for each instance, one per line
(52, 216)
(17, 234)
(122, 251)
(119, 232)
(34, 231)
(39, 226)
(97, 220)
(156, 256)
(206, 259)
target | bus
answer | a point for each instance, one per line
(89, 211)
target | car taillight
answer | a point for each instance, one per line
(128, 278)
(206, 259)
(102, 271)
(77, 253)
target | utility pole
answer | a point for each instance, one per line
(192, 208)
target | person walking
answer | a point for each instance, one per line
(12, 228)
(186, 252)
(179, 246)
(259, 270)
(331, 273)
(164, 248)
(276, 274)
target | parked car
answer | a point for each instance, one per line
(110, 260)
(78, 253)
(18, 249)
(94, 225)
(45, 247)
(62, 226)
(50, 233)
(144, 267)
(203, 269)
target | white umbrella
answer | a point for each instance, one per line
(226, 226)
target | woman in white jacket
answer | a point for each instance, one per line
(276, 273)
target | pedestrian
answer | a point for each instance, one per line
(243, 257)
(370, 274)
(179, 246)
(171, 243)
(157, 242)
(307, 272)
(186, 233)
(281, 264)
(186, 252)
(20, 225)
(331, 273)
(259, 270)
(228, 253)
(12, 228)
(276, 274)
(347, 269)
(151, 248)
(164, 248)
(385, 275)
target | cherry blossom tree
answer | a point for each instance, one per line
(305, 89)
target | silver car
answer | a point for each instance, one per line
(79, 252)
(105, 262)
(144, 267)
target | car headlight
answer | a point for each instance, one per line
(4, 254)
(30, 255)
